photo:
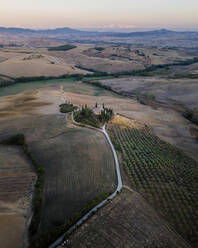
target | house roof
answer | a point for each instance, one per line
(97, 110)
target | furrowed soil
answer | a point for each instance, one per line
(127, 221)
(78, 162)
(17, 184)
(79, 167)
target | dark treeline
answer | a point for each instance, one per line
(77, 77)
(67, 107)
(62, 48)
(144, 72)
(191, 115)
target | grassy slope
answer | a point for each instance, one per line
(70, 85)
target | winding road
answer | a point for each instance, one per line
(100, 205)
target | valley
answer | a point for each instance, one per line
(148, 89)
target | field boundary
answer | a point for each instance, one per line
(104, 202)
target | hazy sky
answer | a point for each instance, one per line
(99, 13)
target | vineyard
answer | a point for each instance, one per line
(163, 175)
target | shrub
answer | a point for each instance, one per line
(191, 115)
(99, 49)
(67, 107)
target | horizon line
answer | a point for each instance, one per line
(112, 29)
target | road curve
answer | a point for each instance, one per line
(100, 205)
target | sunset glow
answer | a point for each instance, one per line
(99, 14)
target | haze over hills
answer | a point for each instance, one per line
(99, 124)
(160, 37)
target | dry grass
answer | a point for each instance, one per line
(180, 91)
(124, 122)
(18, 67)
(20, 105)
(53, 63)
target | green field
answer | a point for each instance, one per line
(164, 175)
(21, 87)
(69, 84)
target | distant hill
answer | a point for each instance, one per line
(64, 30)
(146, 33)
(67, 30)
(162, 37)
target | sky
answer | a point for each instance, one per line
(110, 14)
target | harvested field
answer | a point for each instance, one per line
(16, 183)
(79, 167)
(20, 62)
(116, 59)
(12, 230)
(28, 68)
(138, 56)
(78, 162)
(80, 58)
(164, 176)
(127, 221)
(180, 91)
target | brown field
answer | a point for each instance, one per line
(20, 63)
(139, 55)
(79, 167)
(12, 230)
(35, 60)
(127, 221)
(65, 150)
(180, 91)
(16, 182)
(78, 161)
(115, 59)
